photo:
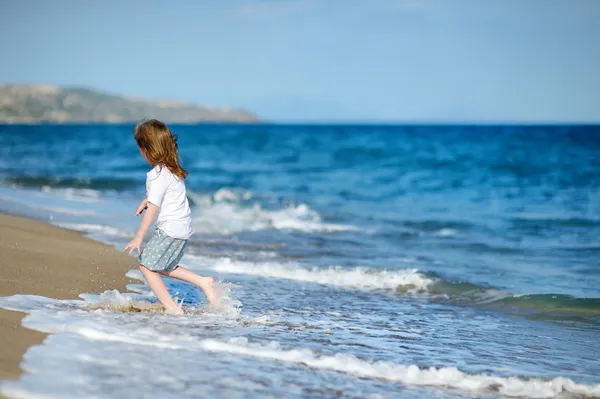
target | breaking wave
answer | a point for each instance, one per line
(230, 211)
(444, 377)
(406, 280)
(413, 281)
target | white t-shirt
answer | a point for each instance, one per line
(167, 192)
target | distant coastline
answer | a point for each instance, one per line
(34, 104)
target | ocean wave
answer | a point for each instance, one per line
(413, 375)
(552, 303)
(90, 228)
(74, 194)
(546, 221)
(438, 227)
(65, 211)
(425, 228)
(410, 232)
(51, 209)
(97, 183)
(229, 211)
(413, 281)
(232, 194)
(464, 292)
(405, 280)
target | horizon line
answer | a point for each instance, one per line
(325, 123)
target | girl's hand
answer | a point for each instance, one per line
(134, 244)
(142, 207)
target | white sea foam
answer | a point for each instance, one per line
(447, 377)
(225, 218)
(228, 211)
(51, 209)
(114, 300)
(135, 274)
(446, 233)
(97, 229)
(74, 194)
(231, 194)
(226, 305)
(410, 280)
(63, 199)
(66, 211)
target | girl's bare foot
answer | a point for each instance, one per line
(207, 284)
(174, 311)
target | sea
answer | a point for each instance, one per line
(354, 261)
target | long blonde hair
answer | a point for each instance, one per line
(159, 145)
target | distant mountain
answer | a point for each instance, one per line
(39, 103)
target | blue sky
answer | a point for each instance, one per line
(330, 60)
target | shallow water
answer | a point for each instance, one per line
(365, 261)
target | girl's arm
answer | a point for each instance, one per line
(142, 207)
(147, 221)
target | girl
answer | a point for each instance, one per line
(165, 197)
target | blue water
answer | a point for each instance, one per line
(435, 246)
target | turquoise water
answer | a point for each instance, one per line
(463, 247)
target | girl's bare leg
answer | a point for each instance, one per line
(157, 285)
(207, 284)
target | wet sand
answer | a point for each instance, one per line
(40, 259)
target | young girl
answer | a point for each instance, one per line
(165, 197)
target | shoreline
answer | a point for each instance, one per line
(37, 258)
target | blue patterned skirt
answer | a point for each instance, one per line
(162, 253)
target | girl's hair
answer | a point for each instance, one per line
(159, 145)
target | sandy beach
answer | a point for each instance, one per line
(40, 259)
